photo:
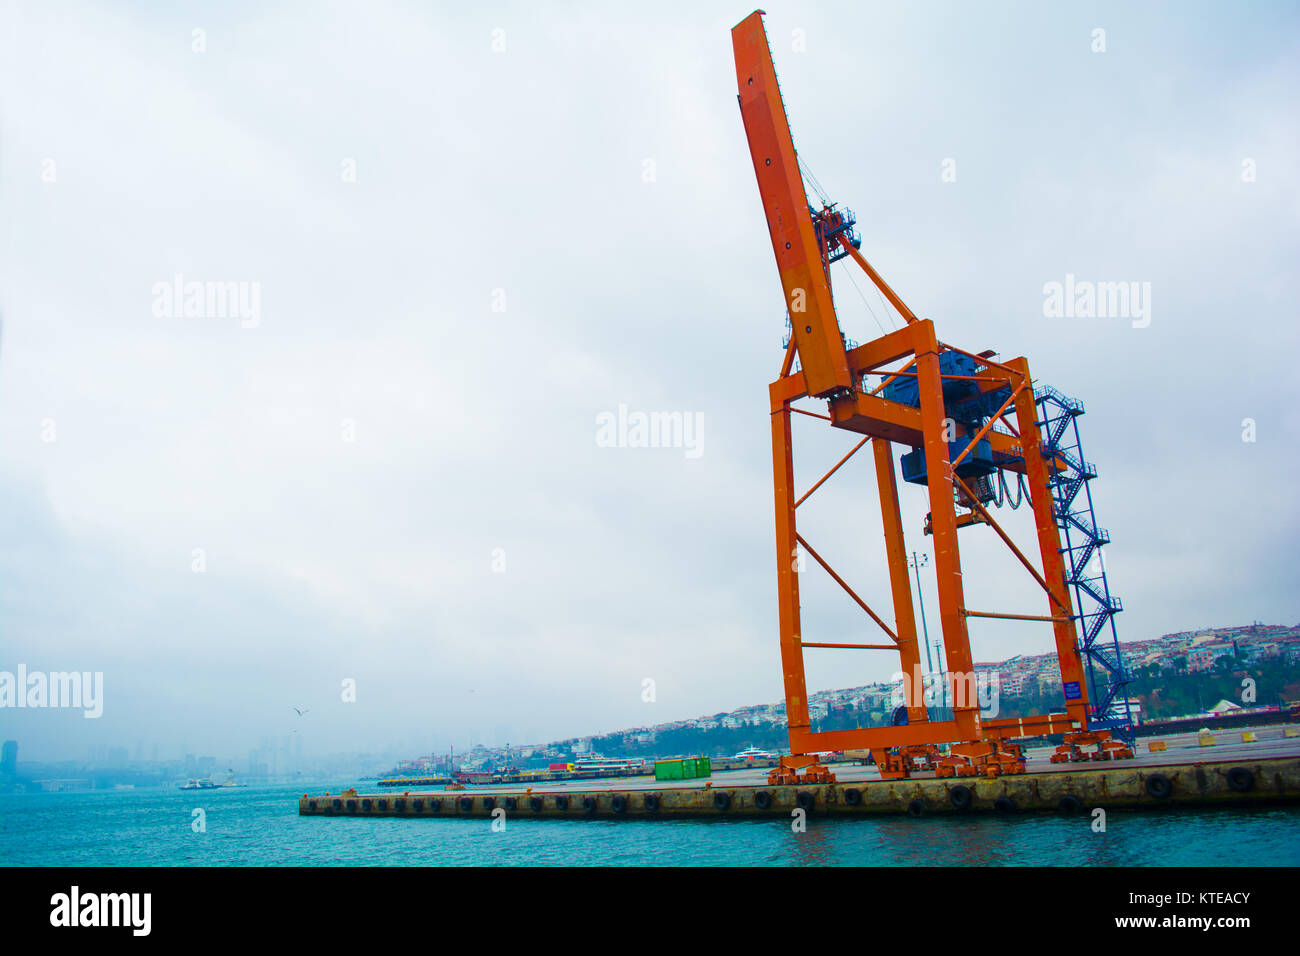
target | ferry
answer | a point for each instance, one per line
(207, 783)
(753, 753)
(589, 764)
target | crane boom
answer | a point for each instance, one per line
(799, 252)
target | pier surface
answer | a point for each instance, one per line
(1231, 773)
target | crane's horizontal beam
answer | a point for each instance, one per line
(892, 421)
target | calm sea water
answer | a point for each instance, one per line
(260, 826)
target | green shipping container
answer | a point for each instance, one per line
(669, 770)
(695, 767)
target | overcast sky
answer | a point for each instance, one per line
(472, 233)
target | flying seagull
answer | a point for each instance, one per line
(302, 711)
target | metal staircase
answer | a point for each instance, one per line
(1082, 541)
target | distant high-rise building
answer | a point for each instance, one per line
(9, 759)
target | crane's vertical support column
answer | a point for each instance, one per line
(943, 517)
(1049, 546)
(787, 575)
(896, 549)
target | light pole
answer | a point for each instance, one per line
(916, 564)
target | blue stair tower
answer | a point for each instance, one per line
(1082, 540)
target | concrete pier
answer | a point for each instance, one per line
(1074, 788)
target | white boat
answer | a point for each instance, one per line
(753, 753)
(587, 764)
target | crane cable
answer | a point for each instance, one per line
(1004, 493)
(810, 178)
(865, 302)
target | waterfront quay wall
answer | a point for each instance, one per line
(1203, 784)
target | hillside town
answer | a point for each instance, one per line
(1023, 677)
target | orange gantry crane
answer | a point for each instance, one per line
(966, 421)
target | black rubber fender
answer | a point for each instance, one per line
(853, 796)
(960, 797)
(489, 803)
(721, 800)
(619, 803)
(365, 804)
(1069, 804)
(338, 804)
(467, 804)
(537, 803)
(1005, 805)
(352, 806)
(763, 800)
(1241, 780)
(562, 802)
(311, 804)
(399, 804)
(1159, 786)
(806, 800)
(652, 802)
(383, 804)
(435, 804)
(589, 804)
(916, 807)
(417, 804)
